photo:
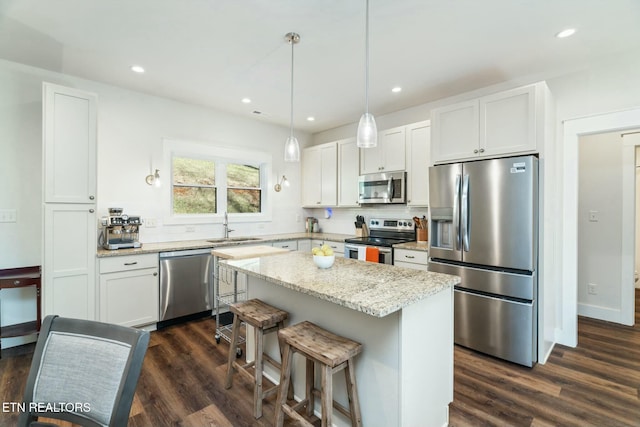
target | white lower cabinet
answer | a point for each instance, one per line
(292, 245)
(304, 245)
(338, 247)
(129, 289)
(418, 260)
(69, 262)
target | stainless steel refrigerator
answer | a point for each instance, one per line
(484, 228)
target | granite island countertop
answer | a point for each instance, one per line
(180, 245)
(371, 288)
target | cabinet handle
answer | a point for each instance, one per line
(475, 151)
(482, 150)
(155, 274)
(409, 256)
(16, 282)
(317, 203)
(91, 211)
(285, 246)
(91, 197)
(131, 263)
(408, 201)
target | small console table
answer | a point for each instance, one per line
(20, 278)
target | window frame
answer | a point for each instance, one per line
(221, 155)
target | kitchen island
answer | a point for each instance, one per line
(403, 317)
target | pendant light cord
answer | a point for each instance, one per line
(366, 71)
(291, 122)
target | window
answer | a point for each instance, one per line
(208, 179)
(194, 190)
(244, 194)
(211, 186)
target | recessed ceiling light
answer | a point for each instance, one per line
(246, 101)
(137, 69)
(396, 89)
(311, 118)
(566, 33)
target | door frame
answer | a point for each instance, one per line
(573, 130)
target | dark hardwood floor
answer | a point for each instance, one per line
(594, 384)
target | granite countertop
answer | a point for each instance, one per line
(371, 288)
(148, 248)
(414, 246)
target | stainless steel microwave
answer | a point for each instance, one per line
(384, 187)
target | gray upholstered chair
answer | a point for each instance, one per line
(84, 372)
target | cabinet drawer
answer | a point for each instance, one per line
(128, 262)
(416, 257)
(336, 246)
(292, 245)
(411, 265)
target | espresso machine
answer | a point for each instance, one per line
(120, 231)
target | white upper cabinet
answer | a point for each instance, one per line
(508, 122)
(69, 145)
(320, 175)
(388, 155)
(348, 172)
(454, 131)
(496, 125)
(418, 162)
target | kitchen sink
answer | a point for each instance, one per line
(233, 239)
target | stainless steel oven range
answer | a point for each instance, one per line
(383, 234)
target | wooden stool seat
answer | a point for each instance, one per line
(258, 314)
(264, 319)
(334, 353)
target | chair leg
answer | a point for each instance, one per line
(257, 390)
(309, 385)
(235, 332)
(285, 377)
(352, 393)
(327, 396)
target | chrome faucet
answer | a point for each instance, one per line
(225, 224)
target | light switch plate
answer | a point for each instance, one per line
(8, 215)
(593, 216)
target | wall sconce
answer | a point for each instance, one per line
(153, 179)
(283, 181)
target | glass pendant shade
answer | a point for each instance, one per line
(292, 149)
(367, 136)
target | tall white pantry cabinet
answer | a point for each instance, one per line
(69, 204)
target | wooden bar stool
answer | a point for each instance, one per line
(264, 319)
(333, 353)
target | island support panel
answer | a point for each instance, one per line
(405, 372)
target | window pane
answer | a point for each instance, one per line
(243, 176)
(194, 200)
(243, 201)
(193, 171)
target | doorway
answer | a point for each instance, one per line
(606, 226)
(567, 334)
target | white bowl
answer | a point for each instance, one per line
(324, 261)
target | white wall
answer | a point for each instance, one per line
(131, 126)
(599, 242)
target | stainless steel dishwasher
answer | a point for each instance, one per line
(186, 285)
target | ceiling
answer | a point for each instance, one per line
(216, 52)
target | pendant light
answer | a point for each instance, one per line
(291, 147)
(367, 136)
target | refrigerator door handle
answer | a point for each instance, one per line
(456, 213)
(465, 213)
